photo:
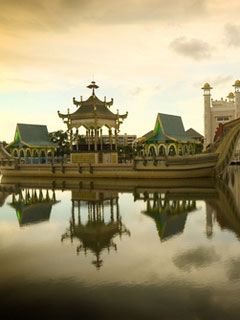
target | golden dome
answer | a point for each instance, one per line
(237, 83)
(206, 86)
(230, 95)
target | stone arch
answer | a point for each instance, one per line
(146, 150)
(185, 149)
(180, 149)
(36, 153)
(162, 150)
(172, 150)
(152, 150)
(22, 153)
(42, 156)
(190, 149)
(15, 153)
(49, 153)
(28, 153)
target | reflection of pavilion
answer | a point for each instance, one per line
(97, 233)
(33, 206)
(169, 213)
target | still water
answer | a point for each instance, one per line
(120, 249)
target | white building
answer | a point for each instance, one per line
(219, 111)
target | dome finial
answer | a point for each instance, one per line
(206, 86)
(93, 86)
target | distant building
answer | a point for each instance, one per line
(168, 138)
(123, 139)
(193, 134)
(31, 143)
(219, 111)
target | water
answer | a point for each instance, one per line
(121, 249)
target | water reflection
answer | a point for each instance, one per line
(194, 266)
(167, 202)
(168, 213)
(33, 206)
(97, 232)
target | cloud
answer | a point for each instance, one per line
(234, 269)
(221, 80)
(193, 48)
(196, 258)
(61, 14)
(232, 33)
(218, 81)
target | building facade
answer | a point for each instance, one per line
(168, 138)
(218, 112)
(32, 144)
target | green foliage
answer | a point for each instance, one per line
(60, 137)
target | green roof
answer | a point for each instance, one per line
(32, 135)
(173, 126)
(191, 133)
(167, 127)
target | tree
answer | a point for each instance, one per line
(60, 137)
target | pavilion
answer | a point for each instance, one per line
(168, 138)
(93, 114)
(32, 144)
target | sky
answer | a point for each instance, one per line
(149, 55)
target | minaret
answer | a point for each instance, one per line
(237, 98)
(207, 114)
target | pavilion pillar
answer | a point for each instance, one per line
(71, 139)
(101, 139)
(77, 139)
(116, 139)
(92, 141)
(88, 138)
(95, 139)
(110, 138)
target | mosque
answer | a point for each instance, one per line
(218, 112)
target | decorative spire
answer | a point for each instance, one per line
(93, 86)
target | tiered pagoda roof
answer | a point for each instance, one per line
(93, 107)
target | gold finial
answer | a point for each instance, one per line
(93, 86)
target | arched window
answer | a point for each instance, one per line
(162, 151)
(180, 150)
(28, 154)
(43, 156)
(172, 150)
(49, 154)
(190, 149)
(152, 151)
(22, 155)
(15, 153)
(185, 149)
(35, 154)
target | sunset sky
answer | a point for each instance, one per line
(149, 55)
